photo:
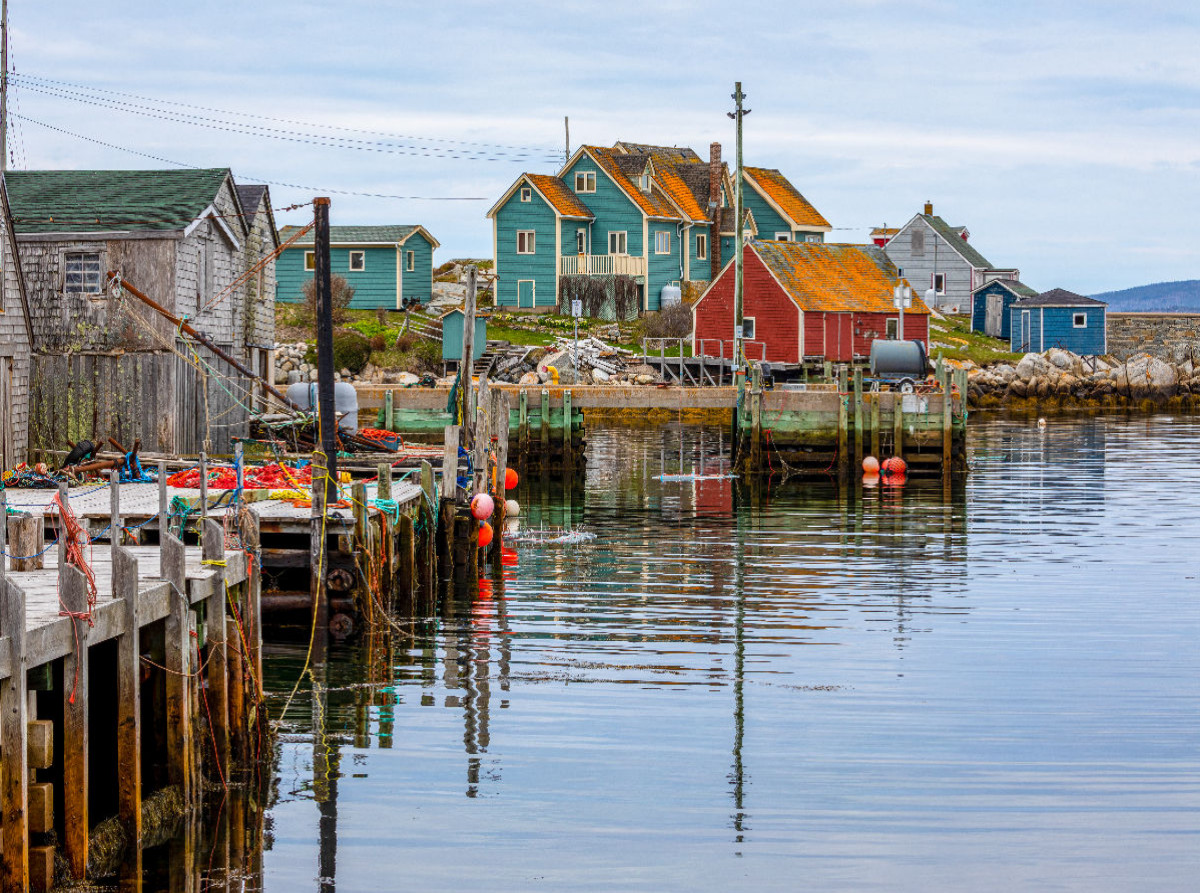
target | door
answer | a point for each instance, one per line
(993, 321)
(7, 459)
(525, 294)
(1026, 330)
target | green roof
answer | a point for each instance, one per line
(957, 242)
(354, 235)
(110, 201)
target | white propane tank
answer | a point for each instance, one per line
(670, 296)
(345, 400)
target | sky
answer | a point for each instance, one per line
(1064, 135)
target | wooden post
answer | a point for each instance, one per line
(389, 410)
(897, 424)
(203, 485)
(317, 554)
(251, 608)
(178, 647)
(407, 572)
(383, 491)
(523, 427)
(129, 710)
(76, 827)
(756, 419)
(545, 457)
(828, 370)
(428, 574)
(947, 422)
(467, 363)
(4, 541)
(843, 446)
(236, 657)
(14, 731)
(568, 435)
(322, 279)
(114, 520)
(859, 418)
(26, 542)
(217, 664)
(449, 494)
(163, 516)
(65, 499)
(501, 433)
(481, 437)
(875, 425)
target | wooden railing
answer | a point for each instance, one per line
(601, 265)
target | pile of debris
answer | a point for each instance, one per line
(588, 361)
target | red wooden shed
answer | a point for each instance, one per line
(806, 300)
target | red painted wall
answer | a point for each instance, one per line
(843, 336)
(776, 316)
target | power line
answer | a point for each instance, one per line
(204, 108)
(254, 179)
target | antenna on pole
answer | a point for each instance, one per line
(4, 85)
(738, 348)
(566, 127)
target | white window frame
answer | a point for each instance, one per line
(585, 181)
(362, 261)
(662, 237)
(310, 261)
(753, 329)
(81, 288)
(526, 241)
(701, 246)
(891, 329)
(526, 194)
(1076, 320)
(581, 241)
(783, 237)
(410, 262)
(813, 237)
(933, 283)
(622, 241)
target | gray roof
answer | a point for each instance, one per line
(250, 197)
(1058, 297)
(1020, 289)
(952, 235)
(354, 235)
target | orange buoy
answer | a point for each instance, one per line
(870, 480)
(510, 479)
(895, 480)
(894, 465)
(482, 506)
(870, 465)
(485, 534)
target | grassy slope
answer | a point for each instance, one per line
(965, 344)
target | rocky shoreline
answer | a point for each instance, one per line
(1061, 379)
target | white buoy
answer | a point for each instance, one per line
(1041, 423)
(512, 508)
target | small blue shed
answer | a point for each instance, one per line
(990, 305)
(1059, 318)
(452, 335)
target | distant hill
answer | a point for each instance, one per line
(1161, 296)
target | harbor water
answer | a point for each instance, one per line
(677, 685)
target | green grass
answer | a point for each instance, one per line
(967, 345)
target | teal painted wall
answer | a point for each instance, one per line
(417, 283)
(1060, 329)
(614, 210)
(534, 215)
(374, 286)
(452, 334)
(663, 268)
(766, 218)
(700, 269)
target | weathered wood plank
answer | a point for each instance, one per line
(14, 816)
(129, 707)
(178, 666)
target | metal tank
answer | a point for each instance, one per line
(670, 296)
(899, 361)
(345, 400)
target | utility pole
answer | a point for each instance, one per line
(738, 114)
(326, 416)
(566, 127)
(4, 85)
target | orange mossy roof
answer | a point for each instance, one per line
(838, 278)
(652, 204)
(559, 195)
(678, 191)
(885, 230)
(778, 189)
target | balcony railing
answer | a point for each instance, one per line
(601, 265)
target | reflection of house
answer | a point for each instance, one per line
(1059, 318)
(931, 254)
(184, 238)
(807, 300)
(388, 266)
(990, 304)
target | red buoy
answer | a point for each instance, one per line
(510, 479)
(894, 465)
(485, 534)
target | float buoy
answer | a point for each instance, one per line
(482, 506)
(870, 480)
(485, 534)
(512, 508)
(893, 466)
(895, 480)
(510, 479)
(870, 465)
(1041, 423)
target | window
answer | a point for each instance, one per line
(525, 241)
(1080, 321)
(814, 237)
(358, 260)
(410, 261)
(918, 243)
(899, 272)
(618, 243)
(893, 329)
(939, 283)
(82, 274)
(702, 247)
(783, 237)
(747, 328)
(526, 195)
(581, 241)
(644, 182)
(310, 260)
(585, 181)
(662, 242)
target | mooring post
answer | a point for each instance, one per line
(500, 433)
(874, 395)
(178, 647)
(129, 709)
(14, 744)
(163, 517)
(203, 485)
(843, 446)
(318, 549)
(545, 456)
(828, 370)
(26, 542)
(523, 427)
(76, 827)
(481, 436)
(859, 418)
(217, 665)
(4, 538)
(64, 500)
(756, 419)
(383, 492)
(389, 410)
(897, 424)
(449, 494)
(428, 571)
(114, 519)
(252, 608)
(568, 441)
(947, 421)
(239, 470)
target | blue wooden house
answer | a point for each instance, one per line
(388, 266)
(1058, 318)
(990, 306)
(651, 216)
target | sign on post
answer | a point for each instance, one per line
(577, 308)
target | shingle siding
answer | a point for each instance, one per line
(938, 257)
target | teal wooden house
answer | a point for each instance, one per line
(452, 336)
(991, 303)
(388, 266)
(1059, 318)
(623, 228)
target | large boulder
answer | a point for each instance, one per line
(1032, 365)
(1147, 378)
(1063, 359)
(1004, 372)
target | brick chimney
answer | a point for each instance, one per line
(928, 209)
(714, 208)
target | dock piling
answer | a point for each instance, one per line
(14, 770)
(129, 710)
(859, 419)
(76, 827)
(178, 666)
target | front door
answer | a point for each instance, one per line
(994, 315)
(1026, 330)
(525, 293)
